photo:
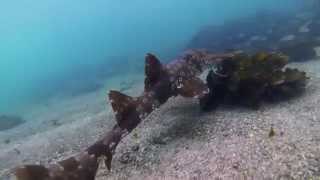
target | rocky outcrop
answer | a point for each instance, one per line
(298, 36)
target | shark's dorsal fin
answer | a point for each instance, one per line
(153, 69)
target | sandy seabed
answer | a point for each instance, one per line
(178, 141)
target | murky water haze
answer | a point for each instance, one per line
(48, 45)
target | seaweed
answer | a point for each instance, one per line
(248, 80)
(237, 75)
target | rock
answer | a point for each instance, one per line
(258, 38)
(55, 122)
(305, 15)
(300, 51)
(305, 27)
(271, 132)
(289, 37)
(317, 50)
(292, 34)
(9, 122)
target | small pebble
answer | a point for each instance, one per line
(272, 133)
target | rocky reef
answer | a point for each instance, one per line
(243, 76)
(297, 35)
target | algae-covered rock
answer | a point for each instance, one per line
(248, 80)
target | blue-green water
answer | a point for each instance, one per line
(47, 44)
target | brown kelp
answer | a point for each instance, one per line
(237, 75)
(248, 80)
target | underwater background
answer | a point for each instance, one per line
(51, 48)
(66, 65)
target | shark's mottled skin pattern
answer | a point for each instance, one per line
(180, 77)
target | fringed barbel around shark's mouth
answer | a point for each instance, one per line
(179, 77)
